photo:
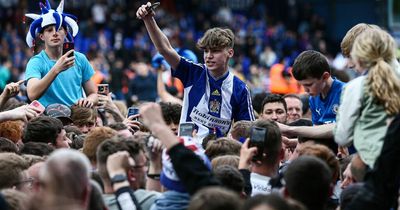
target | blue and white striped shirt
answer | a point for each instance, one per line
(212, 103)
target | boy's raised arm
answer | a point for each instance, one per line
(158, 38)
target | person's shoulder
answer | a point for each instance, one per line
(355, 82)
(237, 81)
(146, 193)
(38, 57)
(338, 82)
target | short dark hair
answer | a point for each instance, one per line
(6, 145)
(171, 112)
(230, 178)
(273, 141)
(273, 98)
(42, 129)
(215, 198)
(36, 148)
(113, 145)
(11, 167)
(273, 200)
(257, 101)
(310, 64)
(312, 172)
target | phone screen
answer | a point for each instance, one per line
(257, 139)
(186, 129)
(67, 46)
(133, 111)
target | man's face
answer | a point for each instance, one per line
(216, 60)
(313, 86)
(62, 140)
(274, 111)
(295, 109)
(51, 37)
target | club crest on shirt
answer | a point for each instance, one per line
(215, 93)
(335, 108)
(215, 106)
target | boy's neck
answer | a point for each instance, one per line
(216, 75)
(54, 53)
(327, 88)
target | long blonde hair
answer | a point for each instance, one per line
(375, 50)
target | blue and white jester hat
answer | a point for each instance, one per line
(50, 17)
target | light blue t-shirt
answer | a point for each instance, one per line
(67, 87)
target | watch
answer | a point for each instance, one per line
(118, 178)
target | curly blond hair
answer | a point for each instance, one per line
(375, 50)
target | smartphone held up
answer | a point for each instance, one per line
(257, 139)
(103, 89)
(133, 111)
(67, 46)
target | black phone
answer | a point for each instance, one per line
(153, 6)
(258, 137)
(133, 111)
(186, 129)
(67, 46)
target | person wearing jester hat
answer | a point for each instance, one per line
(51, 76)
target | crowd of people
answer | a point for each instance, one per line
(214, 139)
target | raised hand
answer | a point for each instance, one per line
(65, 62)
(144, 12)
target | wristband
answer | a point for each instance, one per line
(154, 176)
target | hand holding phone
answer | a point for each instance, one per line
(153, 6)
(38, 107)
(67, 46)
(257, 139)
(133, 111)
(103, 89)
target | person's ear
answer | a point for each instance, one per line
(230, 53)
(41, 36)
(326, 75)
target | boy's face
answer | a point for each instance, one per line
(274, 111)
(51, 37)
(216, 60)
(314, 86)
(62, 140)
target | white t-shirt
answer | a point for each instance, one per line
(260, 184)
